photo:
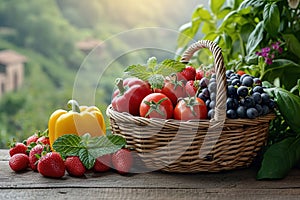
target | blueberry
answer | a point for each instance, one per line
(229, 72)
(248, 102)
(265, 109)
(202, 96)
(212, 87)
(243, 76)
(213, 96)
(231, 91)
(207, 102)
(258, 89)
(228, 82)
(204, 82)
(257, 81)
(231, 114)
(236, 82)
(232, 103)
(247, 81)
(259, 109)
(272, 104)
(205, 93)
(212, 80)
(242, 91)
(212, 104)
(252, 113)
(265, 98)
(257, 97)
(241, 112)
(211, 113)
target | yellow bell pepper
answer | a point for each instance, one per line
(79, 120)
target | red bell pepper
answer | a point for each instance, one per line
(129, 95)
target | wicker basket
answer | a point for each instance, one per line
(196, 145)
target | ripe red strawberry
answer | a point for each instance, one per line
(103, 163)
(122, 161)
(44, 140)
(52, 165)
(74, 166)
(18, 162)
(17, 148)
(189, 73)
(37, 150)
(191, 87)
(199, 74)
(31, 139)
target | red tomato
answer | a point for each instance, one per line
(174, 89)
(190, 108)
(156, 105)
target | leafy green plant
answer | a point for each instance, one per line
(262, 38)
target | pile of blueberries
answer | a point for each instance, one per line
(245, 96)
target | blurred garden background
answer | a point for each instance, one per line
(52, 39)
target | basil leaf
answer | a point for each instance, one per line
(279, 159)
(255, 37)
(288, 105)
(293, 44)
(215, 5)
(68, 145)
(271, 17)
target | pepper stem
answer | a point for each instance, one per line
(73, 105)
(119, 84)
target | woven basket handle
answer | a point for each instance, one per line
(221, 92)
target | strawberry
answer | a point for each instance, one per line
(33, 154)
(103, 163)
(189, 73)
(17, 148)
(199, 74)
(74, 166)
(51, 165)
(191, 87)
(122, 161)
(43, 140)
(31, 139)
(18, 162)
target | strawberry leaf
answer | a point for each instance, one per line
(103, 145)
(86, 158)
(154, 72)
(68, 145)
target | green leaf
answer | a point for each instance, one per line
(286, 70)
(215, 5)
(86, 158)
(169, 66)
(271, 17)
(292, 43)
(288, 105)
(189, 30)
(138, 71)
(251, 3)
(102, 145)
(151, 63)
(280, 158)
(68, 145)
(255, 37)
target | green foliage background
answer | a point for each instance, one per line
(46, 33)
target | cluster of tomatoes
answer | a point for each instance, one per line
(177, 99)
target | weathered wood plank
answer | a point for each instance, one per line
(237, 184)
(145, 193)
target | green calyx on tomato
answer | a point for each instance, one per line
(154, 106)
(174, 89)
(190, 108)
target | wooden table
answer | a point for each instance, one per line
(237, 184)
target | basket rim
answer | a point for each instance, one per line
(110, 111)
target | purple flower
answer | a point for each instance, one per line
(265, 50)
(268, 61)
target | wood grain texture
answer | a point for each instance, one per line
(237, 184)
